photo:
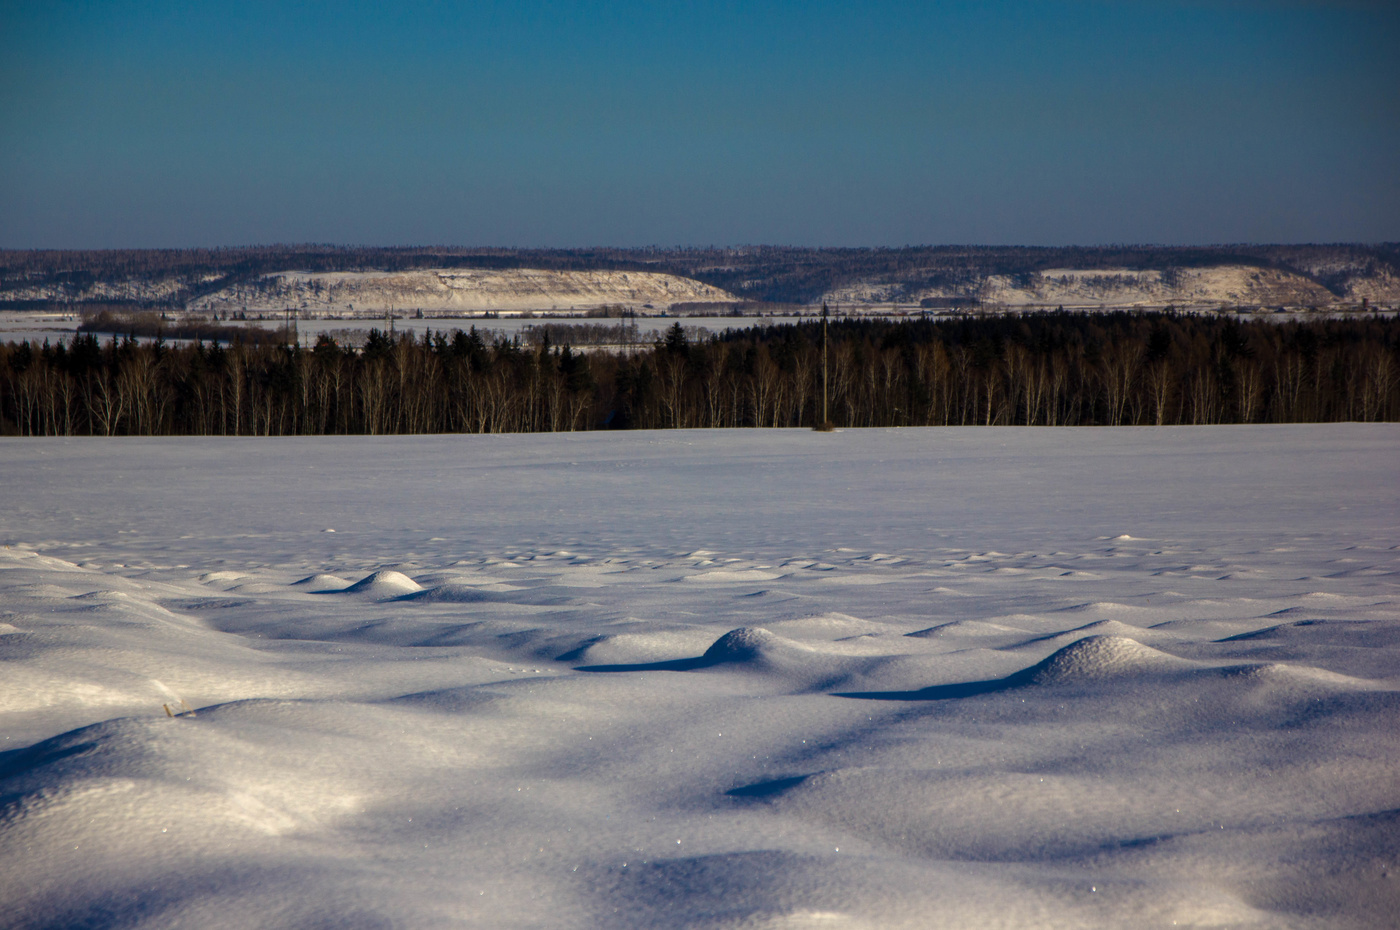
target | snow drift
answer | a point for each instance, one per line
(644, 681)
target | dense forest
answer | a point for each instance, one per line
(1040, 369)
(772, 274)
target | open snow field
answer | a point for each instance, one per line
(982, 678)
(39, 327)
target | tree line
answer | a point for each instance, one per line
(1045, 369)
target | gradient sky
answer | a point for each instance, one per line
(688, 123)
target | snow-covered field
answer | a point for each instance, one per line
(38, 327)
(982, 678)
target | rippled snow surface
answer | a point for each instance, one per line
(870, 679)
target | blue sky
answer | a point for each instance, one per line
(687, 123)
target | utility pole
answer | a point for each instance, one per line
(825, 313)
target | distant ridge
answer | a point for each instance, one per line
(915, 276)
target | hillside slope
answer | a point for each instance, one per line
(461, 290)
(331, 279)
(1095, 288)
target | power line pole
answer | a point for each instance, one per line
(825, 313)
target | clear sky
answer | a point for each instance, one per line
(696, 123)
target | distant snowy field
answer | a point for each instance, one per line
(984, 678)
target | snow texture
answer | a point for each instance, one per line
(866, 679)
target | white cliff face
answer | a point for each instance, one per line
(460, 290)
(465, 290)
(1232, 284)
(1107, 288)
(476, 290)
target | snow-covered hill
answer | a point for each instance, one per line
(461, 290)
(445, 289)
(1125, 287)
(373, 280)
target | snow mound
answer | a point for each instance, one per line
(755, 646)
(828, 625)
(618, 648)
(1116, 628)
(452, 593)
(217, 577)
(966, 628)
(41, 591)
(105, 598)
(1095, 658)
(1104, 607)
(745, 644)
(255, 587)
(753, 574)
(385, 584)
(1112, 628)
(1281, 674)
(321, 583)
